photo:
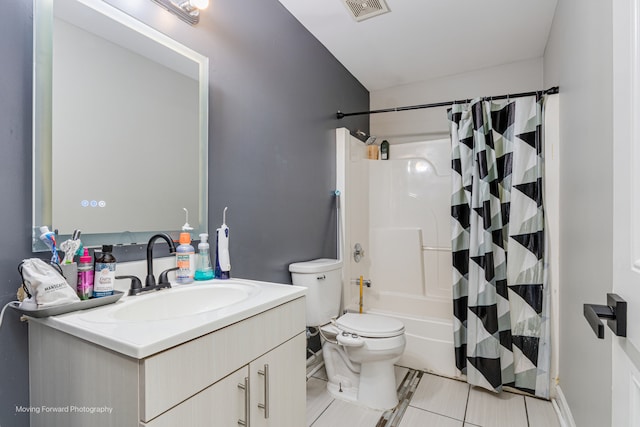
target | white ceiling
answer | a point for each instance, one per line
(425, 39)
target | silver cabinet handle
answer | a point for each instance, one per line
(247, 404)
(265, 373)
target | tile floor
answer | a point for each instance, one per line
(435, 402)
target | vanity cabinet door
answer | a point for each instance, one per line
(221, 404)
(278, 386)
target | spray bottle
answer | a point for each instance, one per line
(204, 271)
(223, 262)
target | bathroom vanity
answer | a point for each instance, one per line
(241, 364)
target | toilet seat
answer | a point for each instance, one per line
(370, 325)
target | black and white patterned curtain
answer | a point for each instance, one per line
(500, 297)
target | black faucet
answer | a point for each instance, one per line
(150, 281)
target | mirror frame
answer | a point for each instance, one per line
(42, 123)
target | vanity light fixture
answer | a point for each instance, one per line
(187, 10)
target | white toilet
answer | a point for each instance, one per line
(359, 350)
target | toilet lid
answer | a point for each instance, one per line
(370, 325)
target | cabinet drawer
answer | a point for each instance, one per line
(172, 376)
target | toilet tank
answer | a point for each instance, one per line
(323, 280)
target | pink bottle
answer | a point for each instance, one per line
(85, 276)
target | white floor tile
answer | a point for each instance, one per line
(321, 374)
(496, 410)
(318, 399)
(442, 396)
(400, 374)
(436, 402)
(541, 413)
(414, 417)
(341, 413)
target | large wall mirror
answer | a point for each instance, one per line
(120, 126)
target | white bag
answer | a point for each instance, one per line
(45, 284)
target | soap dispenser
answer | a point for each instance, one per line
(204, 271)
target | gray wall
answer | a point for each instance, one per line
(15, 202)
(274, 94)
(578, 58)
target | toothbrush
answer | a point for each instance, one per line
(69, 247)
(76, 236)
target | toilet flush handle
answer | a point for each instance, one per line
(349, 340)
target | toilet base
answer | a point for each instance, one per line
(349, 394)
(371, 384)
(373, 392)
(377, 386)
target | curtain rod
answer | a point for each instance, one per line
(550, 91)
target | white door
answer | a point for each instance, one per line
(626, 214)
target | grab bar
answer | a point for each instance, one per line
(436, 248)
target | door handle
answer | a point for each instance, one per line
(615, 312)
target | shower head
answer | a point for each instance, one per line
(367, 139)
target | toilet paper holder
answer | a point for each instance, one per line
(615, 312)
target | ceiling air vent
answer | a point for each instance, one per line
(365, 9)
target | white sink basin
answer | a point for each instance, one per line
(142, 325)
(175, 302)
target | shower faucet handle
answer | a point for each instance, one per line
(358, 252)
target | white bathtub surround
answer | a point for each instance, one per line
(429, 343)
(399, 210)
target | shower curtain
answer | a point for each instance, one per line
(500, 297)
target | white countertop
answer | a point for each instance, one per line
(139, 339)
